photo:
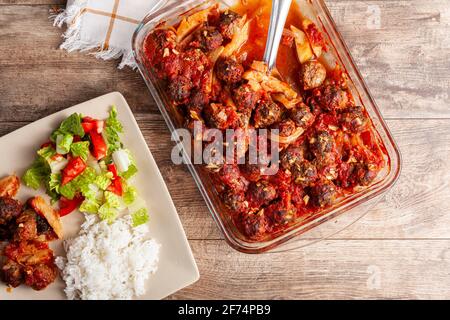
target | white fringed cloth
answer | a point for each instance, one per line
(104, 26)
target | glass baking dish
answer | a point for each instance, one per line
(338, 52)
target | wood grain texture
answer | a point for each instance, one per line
(405, 60)
(404, 239)
(353, 269)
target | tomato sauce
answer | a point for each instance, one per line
(337, 152)
(259, 12)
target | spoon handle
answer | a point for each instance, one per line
(280, 10)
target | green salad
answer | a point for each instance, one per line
(85, 166)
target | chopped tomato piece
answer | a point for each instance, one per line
(73, 169)
(48, 144)
(88, 126)
(67, 206)
(116, 186)
(112, 168)
(99, 147)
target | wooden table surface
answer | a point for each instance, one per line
(400, 249)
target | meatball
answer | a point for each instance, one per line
(255, 225)
(12, 274)
(321, 144)
(163, 38)
(261, 193)
(290, 156)
(231, 177)
(332, 98)
(235, 201)
(228, 22)
(220, 116)
(245, 98)
(9, 209)
(207, 39)
(365, 174)
(304, 173)
(190, 71)
(267, 113)
(280, 213)
(198, 99)
(302, 116)
(252, 172)
(180, 89)
(286, 128)
(40, 276)
(354, 119)
(312, 74)
(158, 48)
(323, 194)
(229, 71)
(26, 226)
(193, 64)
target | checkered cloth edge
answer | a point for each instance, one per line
(104, 27)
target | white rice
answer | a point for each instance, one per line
(108, 261)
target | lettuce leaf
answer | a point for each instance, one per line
(108, 213)
(132, 170)
(104, 180)
(68, 190)
(130, 194)
(72, 125)
(113, 200)
(140, 217)
(47, 153)
(90, 191)
(80, 149)
(54, 182)
(112, 129)
(37, 174)
(83, 181)
(63, 143)
(89, 206)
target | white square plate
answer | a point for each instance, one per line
(177, 268)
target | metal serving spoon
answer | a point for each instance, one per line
(280, 10)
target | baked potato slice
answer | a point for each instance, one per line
(302, 45)
(41, 207)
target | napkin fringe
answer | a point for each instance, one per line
(72, 39)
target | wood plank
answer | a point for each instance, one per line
(353, 269)
(409, 77)
(417, 207)
(38, 79)
(405, 61)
